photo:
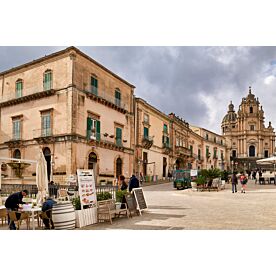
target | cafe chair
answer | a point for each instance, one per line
(62, 194)
(47, 215)
(3, 215)
(18, 218)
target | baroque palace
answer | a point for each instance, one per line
(83, 116)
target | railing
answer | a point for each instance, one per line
(106, 96)
(183, 150)
(44, 132)
(105, 137)
(7, 189)
(166, 146)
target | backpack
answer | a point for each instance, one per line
(244, 181)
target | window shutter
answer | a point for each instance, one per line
(146, 132)
(89, 127)
(98, 130)
(118, 136)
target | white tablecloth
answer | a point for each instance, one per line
(32, 210)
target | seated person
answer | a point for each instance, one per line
(47, 207)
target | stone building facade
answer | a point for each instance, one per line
(153, 132)
(74, 109)
(246, 136)
(213, 149)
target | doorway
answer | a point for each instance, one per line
(119, 169)
(145, 161)
(164, 166)
(92, 161)
(47, 155)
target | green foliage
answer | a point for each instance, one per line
(211, 173)
(104, 196)
(119, 195)
(200, 180)
(224, 175)
(76, 203)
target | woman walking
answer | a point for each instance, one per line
(243, 180)
(234, 182)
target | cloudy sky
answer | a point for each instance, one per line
(196, 83)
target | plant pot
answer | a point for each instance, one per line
(194, 185)
(86, 217)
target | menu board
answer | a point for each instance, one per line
(140, 199)
(87, 189)
(193, 172)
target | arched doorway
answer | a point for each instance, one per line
(119, 167)
(92, 160)
(252, 151)
(17, 154)
(47, 155)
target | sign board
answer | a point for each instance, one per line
(131, 202)
(140, 199)
(193, 172)
(87, 189)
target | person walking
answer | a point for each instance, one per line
(234, 182)
(257, 177)
(243, 180)
(122, 183)
(12, 204)
(133, 183)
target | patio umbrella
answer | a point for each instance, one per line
(268, 161)
(41, 177)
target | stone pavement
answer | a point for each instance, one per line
(170, 209)
(187, 209)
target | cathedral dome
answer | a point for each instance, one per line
(231, 116)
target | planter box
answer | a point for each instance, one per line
(86, 217)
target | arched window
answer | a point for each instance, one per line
(18, 88)
(251, 109)
(47, 155)
(17, 154)
(92, 160)
(252, 151)
(47, 80)
(117, 97)
(119, 167)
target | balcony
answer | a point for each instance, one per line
(183, 151)
(44, 135)
(166, 148)
(105, 140)
(147, 142)
(106, 99)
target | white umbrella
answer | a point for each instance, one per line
(41, 177)
(268, 161)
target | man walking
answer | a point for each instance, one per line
(133, 183)
(234, 182)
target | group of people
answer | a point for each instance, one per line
(243, 181)
(15, 201)
(133, 183)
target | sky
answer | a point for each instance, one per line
(196, 83)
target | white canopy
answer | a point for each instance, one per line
(268, 161)
(41, 177)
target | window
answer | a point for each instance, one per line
(251, 109)
(207, 152)
(94, 86)
(215, 139)
(266, 153)
(146, 132)
(146, 118)
(166, 141)
(191, 149)
(221, 155)
(118, 137)
(17, 154)
(16, 128)
(165, 128)
(234, 153)
(117, 97)
(47, 80)
(177, 142)
(93, 129)
(18, 88)
(252, 127)
(233, 126)
(207, 137)
(46, 126)
(215, 152)
(199, 154)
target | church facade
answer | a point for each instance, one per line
(247, 137)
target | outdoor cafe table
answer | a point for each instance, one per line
(2, 207)
(32, 210)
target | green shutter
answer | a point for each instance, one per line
(146, 132)
(168, 141)
(98, 130)
(89, 127)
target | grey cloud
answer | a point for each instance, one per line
(173, 78)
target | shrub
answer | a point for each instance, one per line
(201, 180)
(119, 195)
(104, 196)
(76, 203)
